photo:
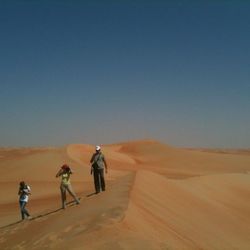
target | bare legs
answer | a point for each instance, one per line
(64, 188)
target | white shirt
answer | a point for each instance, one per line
(25, 196)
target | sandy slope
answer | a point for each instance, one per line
(208, 212)
(158, 197)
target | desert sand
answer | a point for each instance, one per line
(157, 197)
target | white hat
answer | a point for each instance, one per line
(97, 148)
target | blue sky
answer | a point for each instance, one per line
(109, 71)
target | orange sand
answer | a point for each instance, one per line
(157, 197)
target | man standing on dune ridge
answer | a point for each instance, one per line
(97, 168)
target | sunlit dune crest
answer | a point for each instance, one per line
(157, 197)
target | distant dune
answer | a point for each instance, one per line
(157, 197)
(239, 151)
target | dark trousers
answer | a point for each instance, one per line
(99, 180)
(24, 211)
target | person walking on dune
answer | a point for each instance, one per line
(24, 192)
(97, 168)
(65, 173)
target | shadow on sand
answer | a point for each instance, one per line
(12, 224)
(89, 195)
(70, 204)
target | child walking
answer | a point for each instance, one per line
(24, 192)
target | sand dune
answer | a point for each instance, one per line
(158, 197)
(207, 212)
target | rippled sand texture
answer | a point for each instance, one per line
(157, 197)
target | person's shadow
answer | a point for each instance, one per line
(12, 224)
(33, 218)
(70, 204)
(89, 195)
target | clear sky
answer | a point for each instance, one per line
(110, 71)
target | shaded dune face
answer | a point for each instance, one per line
(196, 213)
(157, 197)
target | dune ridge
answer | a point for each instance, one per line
(158, 197)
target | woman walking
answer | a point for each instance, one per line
(65, 173)
(24, 192)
